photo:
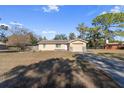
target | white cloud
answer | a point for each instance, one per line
(49, 32)
(15, 23)
(116, 9)
(104, 12)
(51, 8)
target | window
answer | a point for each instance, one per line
(44, 45)
(58, 45)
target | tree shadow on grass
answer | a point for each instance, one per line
(56, 72)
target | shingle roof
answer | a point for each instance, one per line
(53, 42)
(114, 44)
(58, 41)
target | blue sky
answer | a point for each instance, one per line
(50, 20)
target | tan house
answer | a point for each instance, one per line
(66, 45)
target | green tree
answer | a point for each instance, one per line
(3, 29)
(32, 38)
(82, 28)
(94, 37)
(119, 33)
(40, 38)
(72, 36)
(44, 38)
(109, 23)
(60, 37)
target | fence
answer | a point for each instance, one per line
(32, 48)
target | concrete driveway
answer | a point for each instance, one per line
(113, 67)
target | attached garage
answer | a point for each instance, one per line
(78, 46)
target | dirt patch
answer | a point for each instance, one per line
(11, 60)
(57, 72)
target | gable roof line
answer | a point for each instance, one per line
(60, 41)
(78, 40)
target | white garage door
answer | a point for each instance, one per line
(77, 48)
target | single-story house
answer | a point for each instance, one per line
(66, 45)
(114, 46)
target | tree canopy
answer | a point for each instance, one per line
(21, 37)
(110, 23)
(109, 20)
(72, 36)
(60, 37)
(105, 26)
(3, 29)
(82, 28)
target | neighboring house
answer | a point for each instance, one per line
(66, 45)
(114, 46)
(3, 46)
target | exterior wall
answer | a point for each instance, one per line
(73, 46)
(78, 46)
(51, 47)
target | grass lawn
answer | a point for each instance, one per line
(113, 55)
(97, 51)
(50, 69)
(119, 54)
